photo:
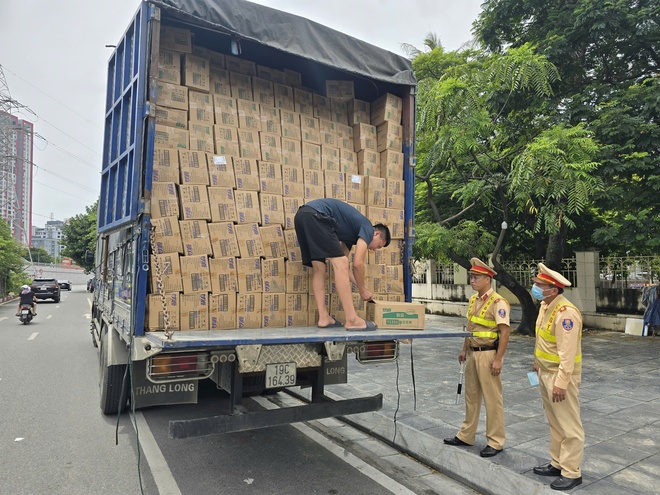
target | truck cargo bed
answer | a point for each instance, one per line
(214, 338)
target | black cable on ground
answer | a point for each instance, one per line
(412, 372)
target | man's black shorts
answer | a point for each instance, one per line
(317, 235)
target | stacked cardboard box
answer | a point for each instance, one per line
(239, 148)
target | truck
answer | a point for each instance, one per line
(142, 365)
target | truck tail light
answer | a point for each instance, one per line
(382, 351)
(180, 366)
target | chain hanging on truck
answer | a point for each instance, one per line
(159, 286)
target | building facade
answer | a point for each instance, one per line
(16, 172)
(49, 238)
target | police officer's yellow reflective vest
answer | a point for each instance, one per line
(548, 335)
(480, 318)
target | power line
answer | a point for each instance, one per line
(59, 190)
(66, 179)
(68, 153)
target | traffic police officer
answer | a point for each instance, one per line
(488, 321)
(558, 360)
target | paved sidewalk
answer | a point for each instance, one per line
(620, 398)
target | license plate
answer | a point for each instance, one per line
(43, 287)
(280, 375)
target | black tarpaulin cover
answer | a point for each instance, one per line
(294, 34)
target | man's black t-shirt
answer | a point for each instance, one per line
(351, 224)
(27, 297)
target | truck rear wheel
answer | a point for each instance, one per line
(110, 380)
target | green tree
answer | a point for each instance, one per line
(477, 142)
(79, 235)
(37, 255)
(12, 275)
(607, 54)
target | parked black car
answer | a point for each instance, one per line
(64, 284)
(46, 288)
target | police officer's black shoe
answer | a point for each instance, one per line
(489, 451)
(562, 483)
(456, 442)
(548, 470)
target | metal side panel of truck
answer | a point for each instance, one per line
(149, 369)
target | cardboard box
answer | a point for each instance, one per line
(339, 111)
(247, 207)
(368, 163)
(386, 108)
(293, 182)
(248, 141)
(222, 204)
(375, 278)
(311, 156)
(195, 72)
(249, 115)
(270, 74)
(335, 185)
(395, 194)
(283, 97)
(225, 111)
(271, 147)
(297, 278)
(391, 164)
(177, 39)
(195, 311)
(240, 65)
(390, 136)
(297, 313)
(193, 167)
(166, 165)
(291, 206)
(172, 117)
(273, 274)
(248, 271)
(270, 120)
(396, 298)
(313, 311)
(375, 191)
(169, 58)
(222, 311)
(156, 315)
(199, 99)
(396, 223)
(226, 141)
(328, 139)
(224, 278)
(241, 85)
(355, 189)
(219, 83)
(200, 142)
(330, 159)
(272, 239)
(359, 112)
(195, 274)
(164, 200)
(348, 161)
(195, 238)
(221, 170)
(293, 78)
(194, 202)
(249, 240)
(340, 90)
(303, 102)
(392, 255)
(388, 314)
(273, 310)
(169, 74)
(248, 310)
(394, 279)
(246, 173)
(291, 152)
(170, 270)
(272, 209)
(263, 93)
(292, 246)
(365, 137)
(223, 240)
(216, 59)
(171, 137)
(270, 177)
(322, 107)
(377, 214)
(172, 95)
(309, 127)
(314, 184)
(167, 236)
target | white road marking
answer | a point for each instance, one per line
(3, 318)
(89, 303)
(159, 469)
(87, 315)
(18, 439)
(57, 307)
(379, 477)
(33, 336)
(49, 317)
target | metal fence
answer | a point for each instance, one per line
(523, 271)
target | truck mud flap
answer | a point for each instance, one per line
(264, 419)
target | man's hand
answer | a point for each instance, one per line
(462, 357)
(496, 367)
(535, 368)
(366, 294)
(558, 394)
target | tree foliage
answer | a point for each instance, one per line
(12, 275)
(37, 255)
(79, 235)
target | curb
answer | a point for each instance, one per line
(480, 474)
(5, 300)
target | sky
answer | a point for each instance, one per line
(54, 58)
